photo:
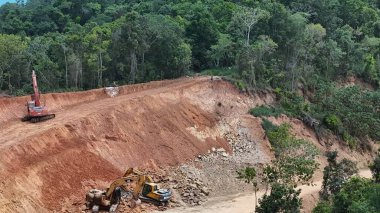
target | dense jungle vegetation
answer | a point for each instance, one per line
(284, 44)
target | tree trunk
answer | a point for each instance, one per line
(80, 75)
(133, 67)
(77, 71)
(143, 65)
(252, 75)
(64, 53)
(100, 70)
(9, 83)
(1, 78)
(293, 78)
(249, 32)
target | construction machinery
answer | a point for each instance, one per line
(133, 182)
(36, 111)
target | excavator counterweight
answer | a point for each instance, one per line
(36, 111)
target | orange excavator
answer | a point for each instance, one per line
(36, 111)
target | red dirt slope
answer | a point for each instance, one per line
(94, 138)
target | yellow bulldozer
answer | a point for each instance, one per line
(133, 182)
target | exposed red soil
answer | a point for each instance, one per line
(94, 138)
(11, 108)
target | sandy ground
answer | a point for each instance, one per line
(245, 203)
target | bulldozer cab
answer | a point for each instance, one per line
(148, 188)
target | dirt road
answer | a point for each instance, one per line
(10, 131)
(244, 203)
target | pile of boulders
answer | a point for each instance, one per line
(240, 142)
(112, 91)
(192, 191)
(214, 153)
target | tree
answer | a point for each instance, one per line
(249, 176)
(39, 60)
(283, 198)
(97, 43)
(222, 51)
(201, 30)
(323, 207)
(295, 48)
(330, 58)
(335, 174)
(375, 168)
(251, 60)
(294, 163)
(357, 195)
(247, 18)
(12, 49)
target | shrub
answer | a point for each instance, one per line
(323, 207)
(282, 198)
(268, 126)
(357, 195)
(335, 174)
(333, 122)
(292, 104)
(240, 85)
(351, 141)
(375, 168)
(265, 111)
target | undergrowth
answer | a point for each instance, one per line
(351, 113)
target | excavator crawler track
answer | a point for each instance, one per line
(155, 202)
(43, 118)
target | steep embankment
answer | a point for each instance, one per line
(50, 166)
(94, 138)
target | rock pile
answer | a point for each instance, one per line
(112, 91)
(193, 191)
(240, 140)
(214, 153)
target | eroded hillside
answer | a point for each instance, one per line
(49, 166)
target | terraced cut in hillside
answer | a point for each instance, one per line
(94, 138)
(173, 125)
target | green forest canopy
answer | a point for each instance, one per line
(83, 44)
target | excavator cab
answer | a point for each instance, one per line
(151, 191)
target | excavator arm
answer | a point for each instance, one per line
(131, 174)
(121, 182)
(132, 171)
(36, 95)
(96, 198)
(140, 182)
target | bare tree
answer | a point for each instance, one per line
(248, 17)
